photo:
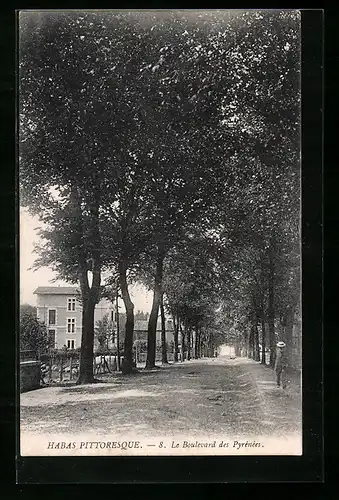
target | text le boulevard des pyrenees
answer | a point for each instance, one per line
(126, 445)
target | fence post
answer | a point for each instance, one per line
(61, 368)
(50, 367)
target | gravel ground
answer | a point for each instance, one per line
(219, 395)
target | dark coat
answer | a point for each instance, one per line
(280, 361)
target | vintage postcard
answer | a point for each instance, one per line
(160, 271)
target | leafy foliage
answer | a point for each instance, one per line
(174, 132)
(33, 333)
(103, 331)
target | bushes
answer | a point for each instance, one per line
(113, 351)
(141, 346)
(33, 333)
(58, 354)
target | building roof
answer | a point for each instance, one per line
(56, 290)
(141, 325)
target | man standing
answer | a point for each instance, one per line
(280, 363)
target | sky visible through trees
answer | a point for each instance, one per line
(163, 148)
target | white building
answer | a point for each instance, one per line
(60, 309)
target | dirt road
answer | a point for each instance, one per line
(220, 395)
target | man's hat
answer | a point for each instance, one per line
(281, 344)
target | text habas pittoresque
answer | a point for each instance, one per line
(126, 445)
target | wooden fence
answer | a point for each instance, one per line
(65, 369)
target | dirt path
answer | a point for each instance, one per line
(223, 396)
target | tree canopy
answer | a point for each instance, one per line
(165, 145)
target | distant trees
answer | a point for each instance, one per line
(28, 309)
(103, 331)
(33, 333)
(141, 315)
(166, 150)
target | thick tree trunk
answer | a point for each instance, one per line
(201, 343)
(263, 342)
(251, 343)
(271, 312)
(163, 332)
(87, 340)
(89, 295)
(127, 365)
(153, 319)
(211, 350)
(176, 338)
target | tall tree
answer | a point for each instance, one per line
(166, 121)
(164, 359)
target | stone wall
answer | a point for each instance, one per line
(29, 375)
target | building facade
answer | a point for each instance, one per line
(61, 310)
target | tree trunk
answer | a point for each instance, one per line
(183, 344)
(71, 368)
(127, 365)
(163, 332)
(209, 346)
(245, 343)
(86, 375)
(153, 319)
(271, 312)
(237, 346)
(176, 338)
(118, 329)
(263, 342)
(89, 295)
(207, 342)
(256, 343)
(189, 343)
(251, 343)
(200, 343)
(196, 340)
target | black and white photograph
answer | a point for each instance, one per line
(159, 164)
